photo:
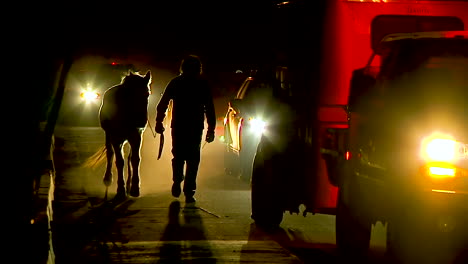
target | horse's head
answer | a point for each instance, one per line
(137, 81)
(125, 105)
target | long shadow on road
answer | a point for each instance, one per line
(186, 239)
(93, 231)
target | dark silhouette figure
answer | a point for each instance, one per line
(192, 101)
(123, 117)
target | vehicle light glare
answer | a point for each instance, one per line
(89, 95)
(257, 125)
(348, 155)
(439, 149)
(443, 191)
(438, 172)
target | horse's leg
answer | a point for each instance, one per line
(119, 163)
(110, 156)
(135, 144)
(129, 170)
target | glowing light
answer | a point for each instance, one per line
(439, 147)
(89, 95)
(257, 125)
(443, 191)
(439, 172)
(283, 3)
(348, 155)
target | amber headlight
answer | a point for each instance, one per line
(440, 153)
(439, 170)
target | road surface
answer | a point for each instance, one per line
(157, 228)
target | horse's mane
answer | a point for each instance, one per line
(135, 75)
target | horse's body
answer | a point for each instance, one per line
(123, 117)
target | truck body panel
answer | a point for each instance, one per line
(351, 31)
(342, 146)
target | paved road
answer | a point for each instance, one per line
(89, 227)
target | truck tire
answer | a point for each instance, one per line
(352, 235)
(393, 251)
(410, 239)
(246, 157)
(266, 209)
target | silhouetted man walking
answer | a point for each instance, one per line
(192, 101)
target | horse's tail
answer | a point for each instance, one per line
(96, 159)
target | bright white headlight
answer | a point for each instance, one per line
(439, 147)
(89, 95)
(257, 126)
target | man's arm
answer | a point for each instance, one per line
(161, 108)
(210, 111)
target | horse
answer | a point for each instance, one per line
(123, 117)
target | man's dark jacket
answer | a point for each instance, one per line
(191, 101)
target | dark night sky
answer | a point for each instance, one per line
(215, 29)
(220, 31)
(224, 33)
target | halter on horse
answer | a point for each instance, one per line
(123, 117)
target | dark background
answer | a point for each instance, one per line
(41, 40)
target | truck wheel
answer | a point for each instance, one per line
(404, 245)
(393, 251)
(246, 164)
(352, 235)
(266, 210)
(409, 238)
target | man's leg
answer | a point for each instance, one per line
(193, 162)
(178, 163)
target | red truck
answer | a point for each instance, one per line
(341, 142)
